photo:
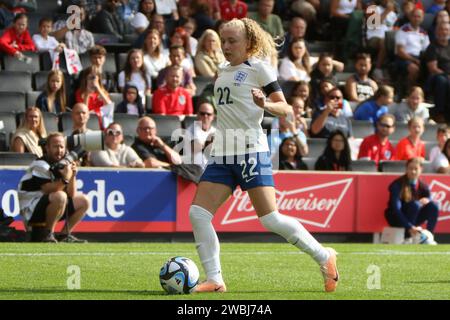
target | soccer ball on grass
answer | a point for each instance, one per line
(179, 275)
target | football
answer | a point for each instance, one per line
(424, 237)
(179, 275)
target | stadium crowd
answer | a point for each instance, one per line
(368, 80)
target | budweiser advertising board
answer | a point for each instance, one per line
(322, 202)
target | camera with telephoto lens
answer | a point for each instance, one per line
(79, 145)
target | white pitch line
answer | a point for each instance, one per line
(182, 253)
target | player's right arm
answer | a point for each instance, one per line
(277, 104)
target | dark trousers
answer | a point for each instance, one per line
(440, 86)
(416, 214)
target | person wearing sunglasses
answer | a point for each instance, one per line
(116, 153)
(377, 146)
(201, 134)
(331, 117)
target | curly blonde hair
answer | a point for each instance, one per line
(261, 44)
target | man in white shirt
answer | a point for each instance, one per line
(410, 41)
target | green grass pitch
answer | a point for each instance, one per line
(251, 271)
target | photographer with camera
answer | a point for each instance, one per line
(47, 192)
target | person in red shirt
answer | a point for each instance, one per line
(411, 146)
(172, 99)
(230, 9)
(16, 39)
(377, 147)
(92, 93)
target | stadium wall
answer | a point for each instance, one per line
(135, 200)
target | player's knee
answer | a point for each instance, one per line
(433, 208)
(84, 202)
(58, 197)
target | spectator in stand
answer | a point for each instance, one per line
(330, 119)
(437, 6)
(172, 98)
(30, 131)
(360, 87)
(189, 26)
(92, 93)
(155, 57)
(410, 203)
(142, 18)
(412, 146)
(21, 6)
(290, 157)
(176, 56)
(442, 134)
(127, 10)
(441, 17)
(180, 37)
(296, 65)
(53, 98)
(412, 107)
(375, 34)
(201, 13)
(441, 163)
(43, 41)
(80, 40)
(97, 57)
(325, 68)
(116, 153)
(377, 105)
(403, 17)
(108, 20)
(337, 155)
(16, 39)
(377, 147)
(297, 29)
(410, 41)
(319, 103)
(201, 134)
(157, 22)
(209, 55)
(230, 9)
(266, 19)
(151, 148)
(307, 9)
(302, 89)
(132, 102)
(437, 58)
(80, 117)
(135, 73)
(340, 13)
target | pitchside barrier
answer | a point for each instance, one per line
(138, 200)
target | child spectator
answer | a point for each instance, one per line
(180, 37)
(359, 87)
(172, 99)
(53, 98)
(302, 89)
(412, 107)
(296, 65)
(337, 155)
(377, 105)
(132, 102)
(97, 57)
(135, 72)
(16, 39)
(43, 41)
(325, 69)
(412, 146)
(442, 134)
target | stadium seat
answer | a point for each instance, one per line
(430, 132)
(128, 140)
(310, 162)
(342, 77)
(12, 102)
(392, 166)
(15, 81)
(401, 131)
(16, 159)
(364, 166)
(362, 128)
(46, 6)
(31, 97)
(7, 127)
(128, 122)
(121, 61)
(50, 121)
(66, 122)
(201, 83)
(109, 66)
(166, 125)
(13, 64)
(319, 46)
(427, 20)
(40, 80)
(115, 97)
(33, 21)
(188, 121)
(316, 146)
(427, 167)
(104, 38)
(428, 146)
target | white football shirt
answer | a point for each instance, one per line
(239, 119)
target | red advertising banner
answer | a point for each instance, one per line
(322, 202)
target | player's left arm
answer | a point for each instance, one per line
(276, 104)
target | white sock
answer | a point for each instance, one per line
(207, 243)
(294, 232)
